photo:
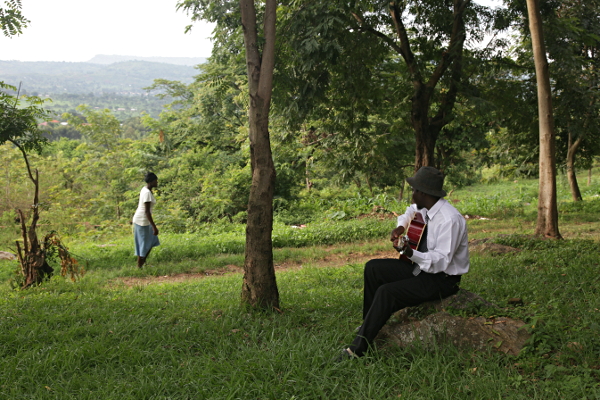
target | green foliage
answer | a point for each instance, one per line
(19, 117)
(124, 106)
(513, 138)
(586, 209)
(100, 127)
(572, 39)
(12, 21)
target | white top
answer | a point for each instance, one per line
(447, 239)
(139, 218)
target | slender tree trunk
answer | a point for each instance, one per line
(571, 175)
(547, 220)
(32, 256)
(572, 147)
(401, 193)
(259, 289)
(307, 163)
(369, 186)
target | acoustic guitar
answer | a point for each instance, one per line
(413, 235)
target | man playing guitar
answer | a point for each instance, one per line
(430, 266)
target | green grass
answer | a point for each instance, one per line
(99, 338)
(198, 252)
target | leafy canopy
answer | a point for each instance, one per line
(19, 118)
(12, 21)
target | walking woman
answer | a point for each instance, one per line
(145, 232)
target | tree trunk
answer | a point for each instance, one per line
(571, 175)
(425, 135)
(259, 289)
(427, 126)
(547, 220)
(32, 257)
(401, 193)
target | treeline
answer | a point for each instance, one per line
(119, 86)
(343, 122)
(96, 181)
(124, 106)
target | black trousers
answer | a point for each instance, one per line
(391, 286)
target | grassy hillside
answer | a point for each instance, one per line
(118, 86)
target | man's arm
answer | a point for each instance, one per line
(147, 206)
(402, 224)
(447, 239)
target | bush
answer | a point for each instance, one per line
(321, 205)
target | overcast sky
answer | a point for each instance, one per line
(77, 30)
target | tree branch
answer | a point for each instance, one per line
(388, 40)
(253, 61)
(25, 157)
(268, 54)
(455, 46)
(406, 51)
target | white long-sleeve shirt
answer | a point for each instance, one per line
(447, 239)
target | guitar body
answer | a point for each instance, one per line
(414, 234)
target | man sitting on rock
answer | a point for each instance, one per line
(430, 272)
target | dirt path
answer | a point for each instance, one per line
(329, 261)
(332, 259)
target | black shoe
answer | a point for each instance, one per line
(346, 354)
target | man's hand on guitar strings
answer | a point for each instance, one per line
(396, 233)
(407, 250)
(400, 244)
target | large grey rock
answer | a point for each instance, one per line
(431, 323)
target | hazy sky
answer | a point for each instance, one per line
(77, 30)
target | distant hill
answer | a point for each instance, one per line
(127, 77)
(106, 59)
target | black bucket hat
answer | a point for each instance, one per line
(428, 180)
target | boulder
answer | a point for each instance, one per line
(487, 247)
(431, 323)
(4, 255)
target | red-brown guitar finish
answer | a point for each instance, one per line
(414, 234)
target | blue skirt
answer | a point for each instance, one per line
(144, 239)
